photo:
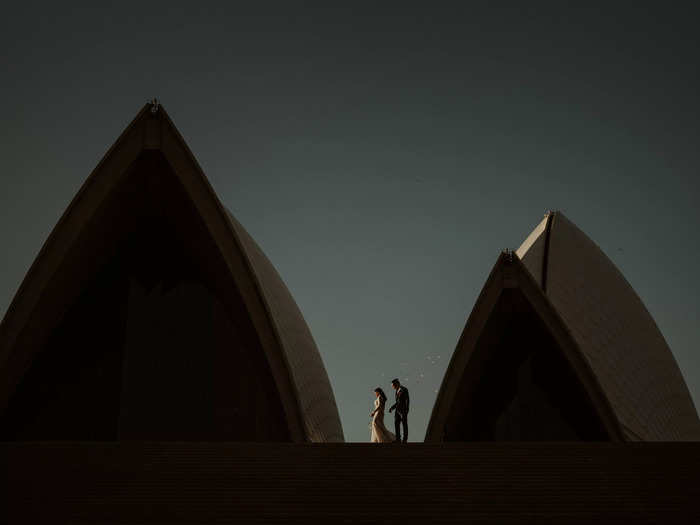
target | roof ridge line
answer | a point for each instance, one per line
(545, 254)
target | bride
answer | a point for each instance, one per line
(379, 432)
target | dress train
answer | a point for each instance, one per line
(379, 433)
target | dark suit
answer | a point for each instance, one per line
(401, 414)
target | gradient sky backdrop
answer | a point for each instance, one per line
(382, 156)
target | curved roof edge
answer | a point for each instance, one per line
(509, 272)
(308, 402)
(303, 357)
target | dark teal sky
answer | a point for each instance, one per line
(381, 156)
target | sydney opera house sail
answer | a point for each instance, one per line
(559, 347)
(151, 314)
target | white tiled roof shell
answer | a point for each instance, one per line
(615, 332)
(309, 377)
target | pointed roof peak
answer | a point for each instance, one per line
(609, 320)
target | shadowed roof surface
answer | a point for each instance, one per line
(480, 341)
(294, 360)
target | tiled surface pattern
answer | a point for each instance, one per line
(309, 376)
(615, 332)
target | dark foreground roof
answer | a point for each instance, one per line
(503, 483)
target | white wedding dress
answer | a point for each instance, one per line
(380, 434)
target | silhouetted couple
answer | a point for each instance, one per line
(380, 434)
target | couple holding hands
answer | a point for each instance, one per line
(380, 434)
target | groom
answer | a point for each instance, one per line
(401, 406)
